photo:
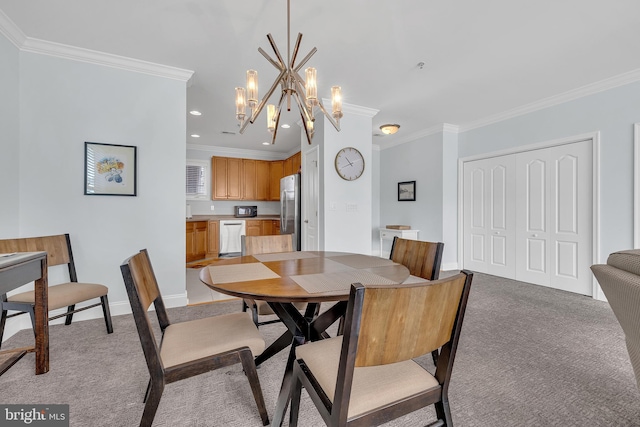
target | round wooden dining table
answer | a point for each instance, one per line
(282, 279)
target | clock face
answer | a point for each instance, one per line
(349, 163)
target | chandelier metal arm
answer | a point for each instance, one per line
(299, 87)
(305, 59)
(275, 50)
(328, 116)
(308, 133)
(281, 67)
(296, 47)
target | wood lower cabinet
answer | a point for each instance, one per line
(270, 227)
(254, 227)
(213, 233)
(196, 239)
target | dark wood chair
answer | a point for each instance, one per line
(254, 245)
(61, 295)
(367, 376)
(187, 348)
(423, 259)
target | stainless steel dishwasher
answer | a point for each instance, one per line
(230, 232)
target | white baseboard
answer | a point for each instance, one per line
(449, 266)
(118, 308)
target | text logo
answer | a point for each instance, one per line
(34, 415)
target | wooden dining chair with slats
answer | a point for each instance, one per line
(61, 295)
(386, 327)
(187, 348)
(255, 245)
(423, 259)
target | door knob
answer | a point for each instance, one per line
(534, 235)
(306, 221)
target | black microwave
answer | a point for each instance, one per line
(246, 211)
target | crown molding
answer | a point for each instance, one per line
(238, 152)
(590, 89)
(28, 44)
(105, 59)
(11, 31)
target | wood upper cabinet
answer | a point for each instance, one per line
(288, 166)
(196, 240)
(296, 161)
(213, 239)
(249, 180)
(226, 173)
(276, 172)
(262, 180)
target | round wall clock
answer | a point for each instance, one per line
(349, 163)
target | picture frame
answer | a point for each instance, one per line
(110, 169)
(407, 191)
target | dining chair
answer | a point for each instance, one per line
(187, 348)
(619, 279)
(61, 295)
(423, 259)
(255, 245)
(367, 376)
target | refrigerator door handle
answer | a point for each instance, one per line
(283, 213)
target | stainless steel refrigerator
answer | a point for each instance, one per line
(290, 213)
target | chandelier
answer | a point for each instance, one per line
(292, 86)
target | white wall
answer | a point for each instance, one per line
(420, 161)
(9, 138)
(347, 205)
(64, 103)
(612, 113)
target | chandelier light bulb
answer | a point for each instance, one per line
(271, 117)
(252, 88)
(240, 103)
(336, 102)
(311, 86)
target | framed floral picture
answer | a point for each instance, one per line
(407, 191)
(109, 169)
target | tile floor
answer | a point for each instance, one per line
(198, 292)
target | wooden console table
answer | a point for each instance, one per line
(16, 270)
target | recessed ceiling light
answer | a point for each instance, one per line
(265, 143)
(285, 126)
(195, 113)
(195, 135)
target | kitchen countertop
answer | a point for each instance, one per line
(225, 217)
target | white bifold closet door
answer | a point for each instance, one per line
(528, 216)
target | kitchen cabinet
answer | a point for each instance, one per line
(196, 240)
(296, 161)
(254, 227)
(270, 227)
(262, 180)
(226, 176)
(276, 172)
(249, 180)
(213, 243)
(288, 166)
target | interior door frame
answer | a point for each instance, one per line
(595, 147)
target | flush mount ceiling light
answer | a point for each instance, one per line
(389, 129)
(195, 113)
(304, 92)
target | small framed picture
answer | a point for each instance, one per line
(407, 191)
(109, 169)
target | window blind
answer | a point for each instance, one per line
(196, 181)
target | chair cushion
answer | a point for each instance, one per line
(626, 260)
(398, 380)
(64, 294)
(195, 339)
